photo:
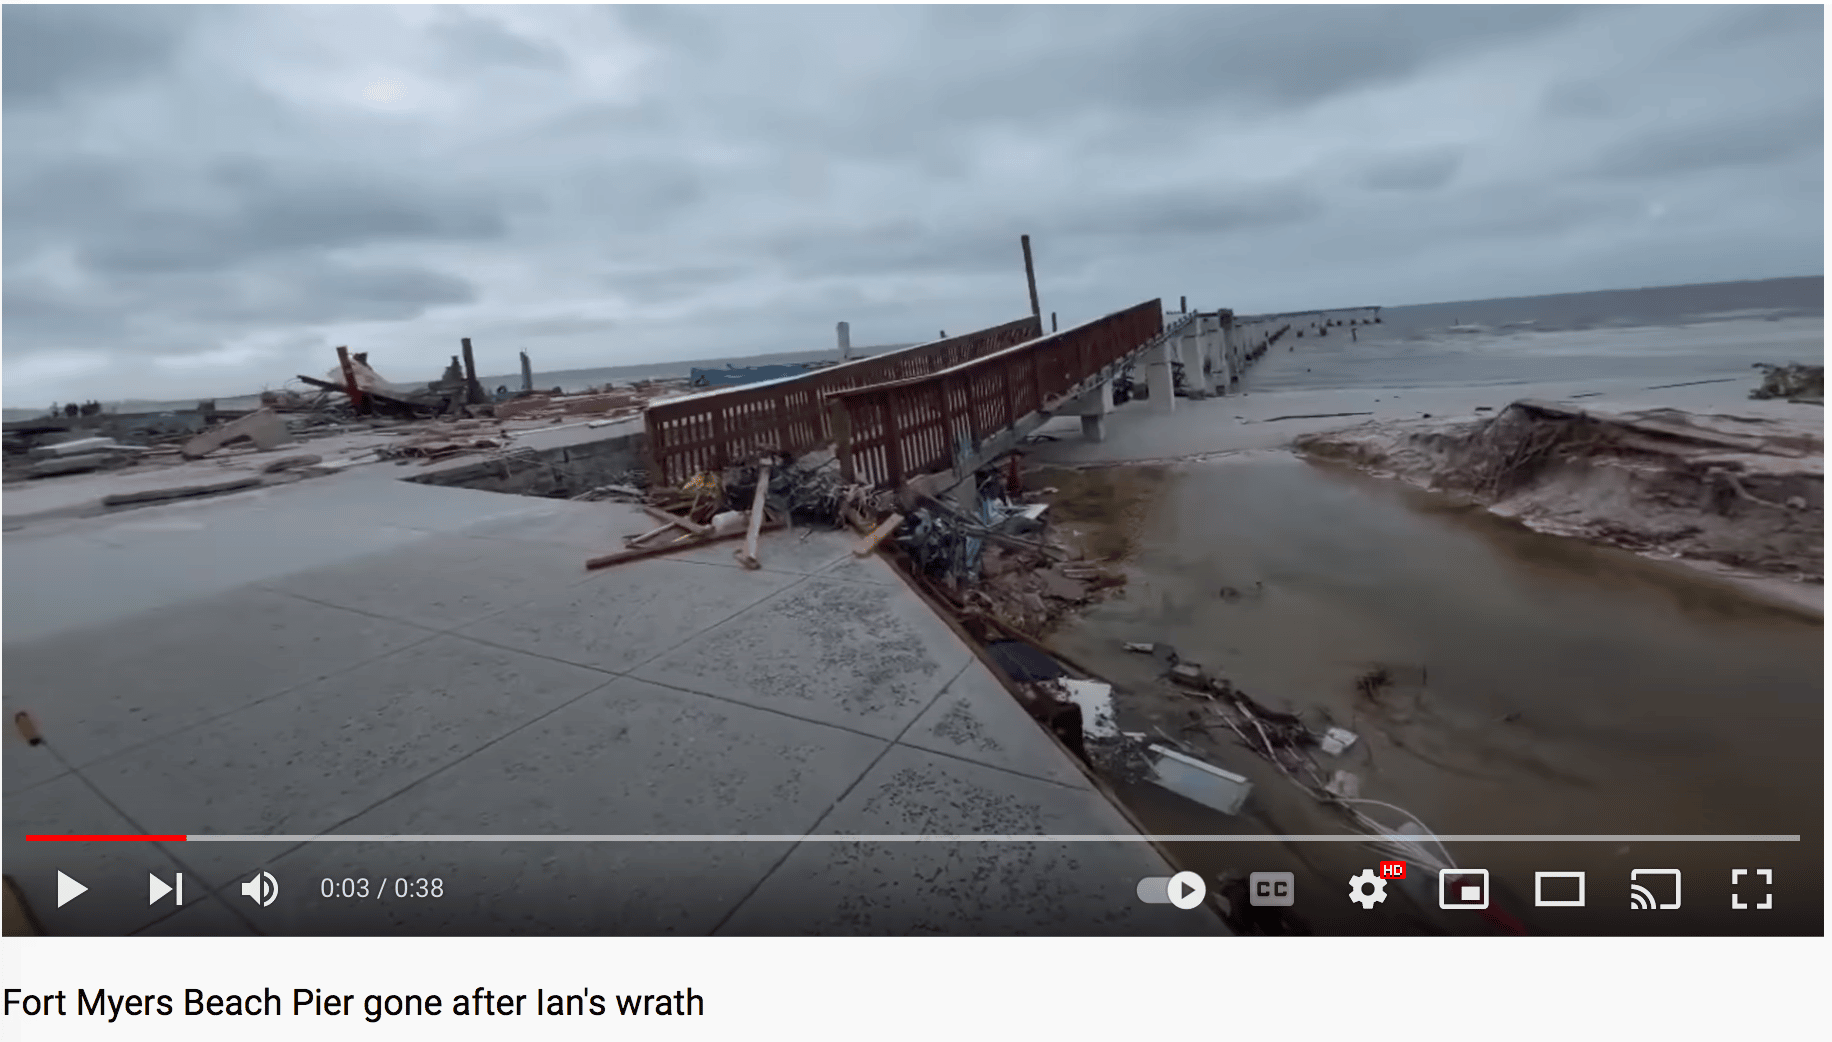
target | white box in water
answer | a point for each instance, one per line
(1192, 779)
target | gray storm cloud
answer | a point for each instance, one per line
(202, 200)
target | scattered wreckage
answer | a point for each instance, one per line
(446, 418)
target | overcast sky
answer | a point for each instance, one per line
(206, 201)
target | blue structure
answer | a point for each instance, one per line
(732, 376)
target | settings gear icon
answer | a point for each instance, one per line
(1360, 892)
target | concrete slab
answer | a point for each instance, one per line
(633, 758)
(965, 888)
(149, 559)
(803, 551)
(320, 754)
(869, 569)
(100, 691)
(589, 529)
(624, 616)
(23, 765)
(976, 719)
(851, 654)
(115, 873)
(174, 660)
(441, 582)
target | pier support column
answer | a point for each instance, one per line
(1093, 408)
(1160, 379)
(1224, 358)
(1230, 351)
(1195, 381)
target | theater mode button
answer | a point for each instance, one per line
(1184, 890)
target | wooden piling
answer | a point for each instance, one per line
(1030, 276)
(473, 390)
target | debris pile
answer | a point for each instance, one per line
(1793, 381)
(77, 456)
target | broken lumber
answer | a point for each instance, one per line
(637, 553)
(878, 535)
(289, 462)
(748, 556)
(179, 492)
(400, 405)
(676, 519)
(638, 540)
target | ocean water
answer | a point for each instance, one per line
(1607, 309)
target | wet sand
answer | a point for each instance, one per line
(1543, 684)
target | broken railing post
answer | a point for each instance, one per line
(356, 395)
(1030, 276)
(748, 555)
(1052, 321)
(527, 373)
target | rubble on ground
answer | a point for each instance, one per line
(436, 421)
(1793, 381)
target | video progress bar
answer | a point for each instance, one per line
(973, 838)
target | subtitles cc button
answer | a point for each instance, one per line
(1274, 889)
(1184, 890)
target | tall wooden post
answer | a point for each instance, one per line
(1030, 276)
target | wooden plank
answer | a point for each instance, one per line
(179, 492)
(675, 519)
(637, 553)
(638, 540)
(842, 440)
(399, 403)
(878, 535)
(748, 556)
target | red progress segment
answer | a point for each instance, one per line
(105, 839)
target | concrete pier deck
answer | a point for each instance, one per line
(357, 655)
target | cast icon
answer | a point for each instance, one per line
(1650, 897)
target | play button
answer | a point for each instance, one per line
(68, 890)
(1187, 890)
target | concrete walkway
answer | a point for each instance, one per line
(360, 655)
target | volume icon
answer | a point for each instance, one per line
(262, 889)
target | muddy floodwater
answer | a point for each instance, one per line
(1539, 685)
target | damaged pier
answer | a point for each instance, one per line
(352, 655)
